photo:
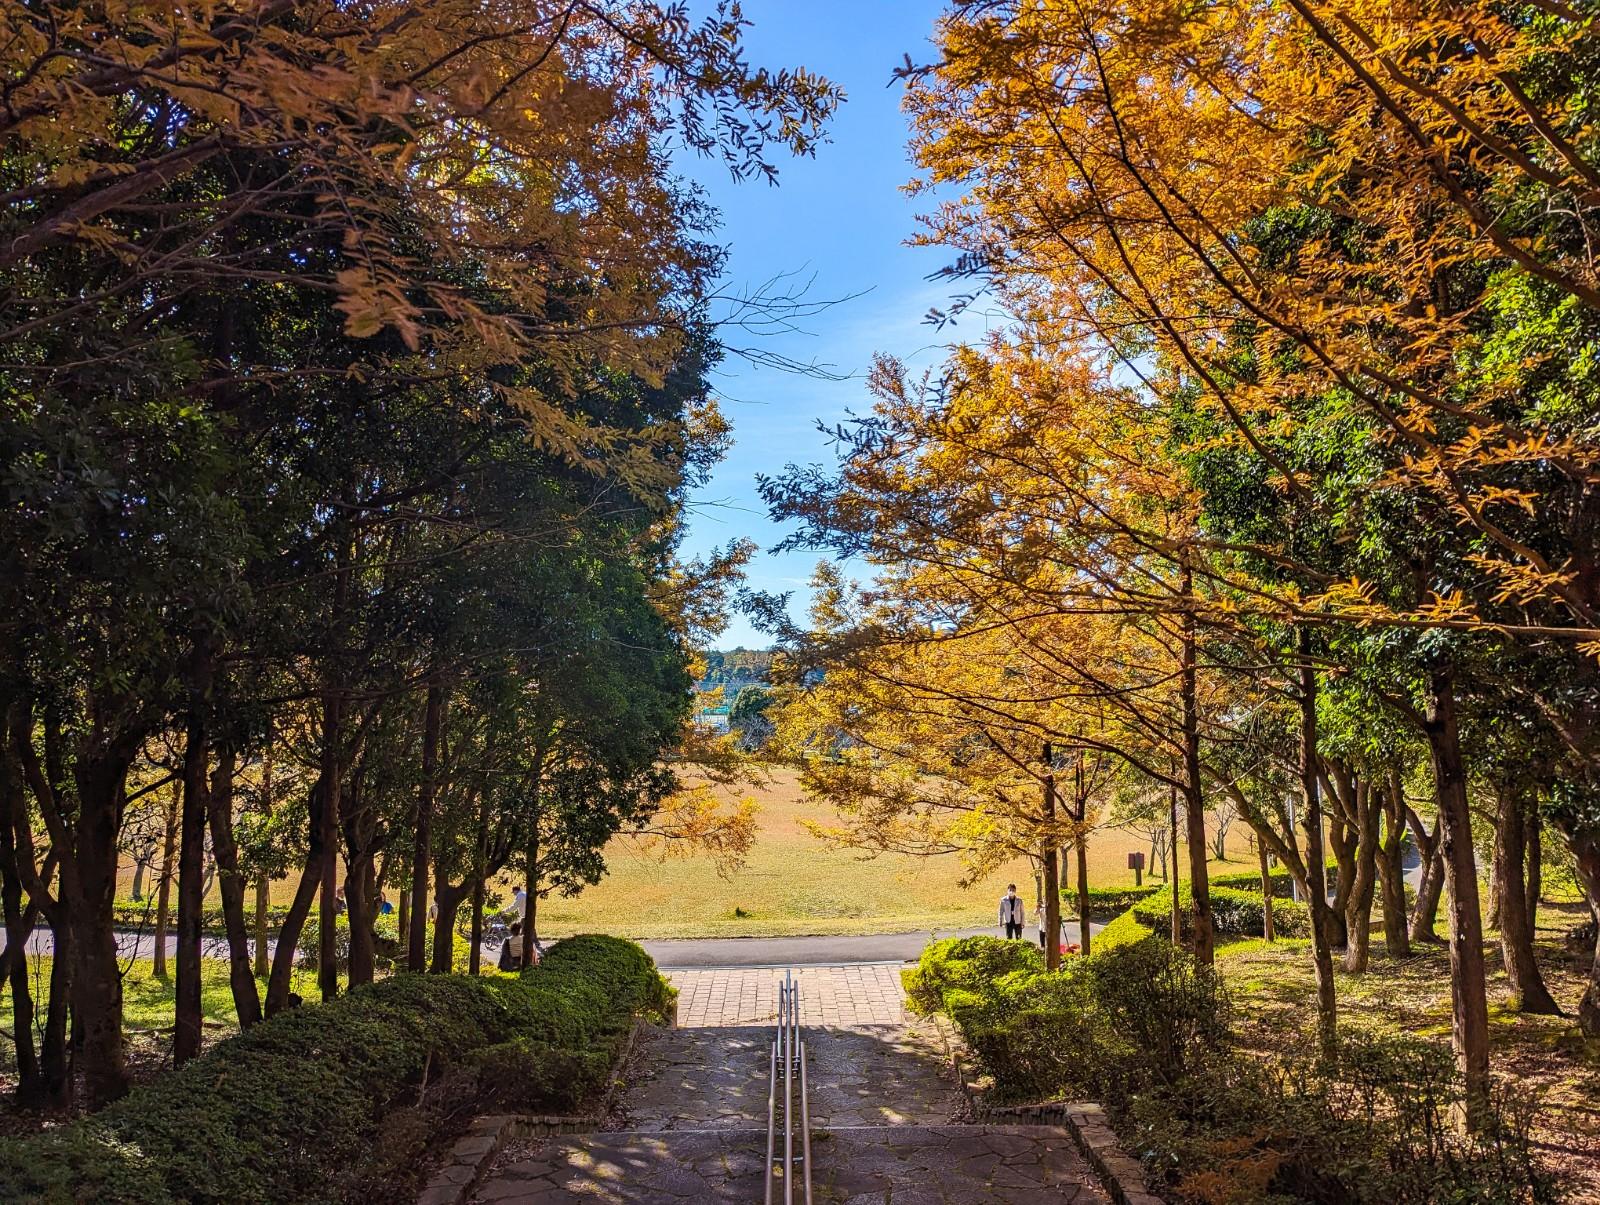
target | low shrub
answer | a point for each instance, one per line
(970, 964)
(1250, 880)
(1234, 913)
(386, 941)
(1103, 1025)
(527, 1074)
(131, 915)
(1125, 930)
(296, 1109)
(1144, 1029)
(1105, 902)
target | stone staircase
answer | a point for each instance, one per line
(883, 1121)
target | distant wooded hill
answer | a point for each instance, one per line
(736, 668)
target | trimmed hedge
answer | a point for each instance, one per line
(1234, 913)
(1106, 903)
(141, 914)
(1102, 1026)
(307, 1106)
(131, 916)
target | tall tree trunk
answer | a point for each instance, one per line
(328, 895)
(1342, 840)
(531, 887)
(422, 855)
(19, 921)
(169, 870)
(480, 872)
(1391, 868)
(1050, 915)
(1081, 846)
(335, 757)
(1425, 912)
(191, 866)
(360, 913)
(1268, 929)
(1316, 860)
(263, 885)
(360, 878)
(305, 894)
(1172, 840)
(1199, 873)
(1528, 991)
(96, 977)
(1497, 874)
(1535, 878)
(1358, 909)
(47, 779)
(447, 896)
(1585, 843)
(241, 975)
(475, 947)
(1469, 999)
(403, 926)
(55, 1088)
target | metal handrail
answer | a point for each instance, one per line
(805, 1124)
(772, 1118)
(788, 1100)
(789, 1048)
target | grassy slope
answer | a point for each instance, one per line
(794, 884)
(1539, 1057)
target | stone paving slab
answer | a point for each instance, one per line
(874, 1165)
(687, 1166)
(953, 1165)
(702, 1079)
(718, 1078)
(878, 1075)
(865, 994)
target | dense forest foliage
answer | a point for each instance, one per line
(355, 370)
(1272, 484)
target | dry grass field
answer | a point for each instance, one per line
(795, 884)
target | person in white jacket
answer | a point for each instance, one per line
(1011, 912)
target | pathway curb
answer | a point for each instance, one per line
(475, 1150)
(1085, 1121)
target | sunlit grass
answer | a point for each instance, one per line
(794, 883)
(148, 1006)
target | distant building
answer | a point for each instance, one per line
(713, 719)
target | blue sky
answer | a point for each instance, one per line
(842, 219)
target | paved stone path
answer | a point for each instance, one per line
(864, 994)
(881, 1112)
(916, 1165)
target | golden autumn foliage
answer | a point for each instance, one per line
(489, 182)
(1272, 202)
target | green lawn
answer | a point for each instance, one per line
(147, 1004)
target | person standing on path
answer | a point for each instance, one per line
(1011, 913)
